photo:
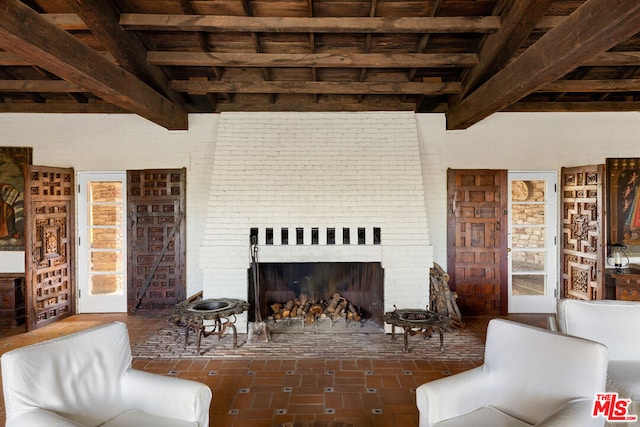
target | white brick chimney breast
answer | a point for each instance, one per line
(318, 171)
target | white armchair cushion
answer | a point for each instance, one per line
(166, 396)
(41, 417)
(86, 379)
(143, 419)
(530, 376)
(613, 323)
(485, 416)
(624, 378)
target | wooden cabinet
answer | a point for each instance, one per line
(12, 311)
(627, 284)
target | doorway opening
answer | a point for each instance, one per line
(102, 249)
(532, 242)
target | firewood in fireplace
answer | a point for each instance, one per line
(352, 313)
(294, 309)
(303, 310)
(333, 303)
(303, 299)
(339, 309)
(276, 308)
(286, 311)
(316, 311)
(309, 318)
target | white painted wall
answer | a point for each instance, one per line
(103, 142)
(516, 141)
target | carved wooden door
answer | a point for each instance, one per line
(156, 240)
(477, 239)
(582, 232)
(49, 245)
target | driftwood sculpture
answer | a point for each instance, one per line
(442, 300)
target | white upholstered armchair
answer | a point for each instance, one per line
(614, 324)
(530, 377)
(86, 379)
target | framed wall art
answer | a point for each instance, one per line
(623, 203)
(12, 162)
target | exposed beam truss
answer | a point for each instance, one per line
(318, 60)
(294, 87)
(26, 33)
(591, 29)
(215, 23)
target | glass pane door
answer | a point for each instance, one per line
(532, 242)
(101, 247)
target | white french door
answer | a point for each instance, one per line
(102, 242)
(532, 254)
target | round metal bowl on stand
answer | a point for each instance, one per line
(222, 312)
(415, 321)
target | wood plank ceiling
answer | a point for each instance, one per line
(162, 59)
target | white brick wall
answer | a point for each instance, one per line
(324, 170)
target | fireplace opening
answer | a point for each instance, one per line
(361, 284)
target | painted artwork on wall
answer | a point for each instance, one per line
(623, 202)
(12, 162)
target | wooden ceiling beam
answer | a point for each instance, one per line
(102, 19)
(66, 21)
(187, 8)
(61, 108)
(518, 21)
(10, 59)
(324, 103)
(72, 22)
(424, 39)
(248, 11)
(52, 86)
(582, 86)
(309, 87)
(260, 24)
(605, 59)
(614, 59)
(26, 33)
(578, 107)
(318, 60)
(593, 28)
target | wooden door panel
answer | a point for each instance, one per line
(477, 239)
(156, 245)
(582, 232)
(49, 245)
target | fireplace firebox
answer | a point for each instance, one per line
(360, 283)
